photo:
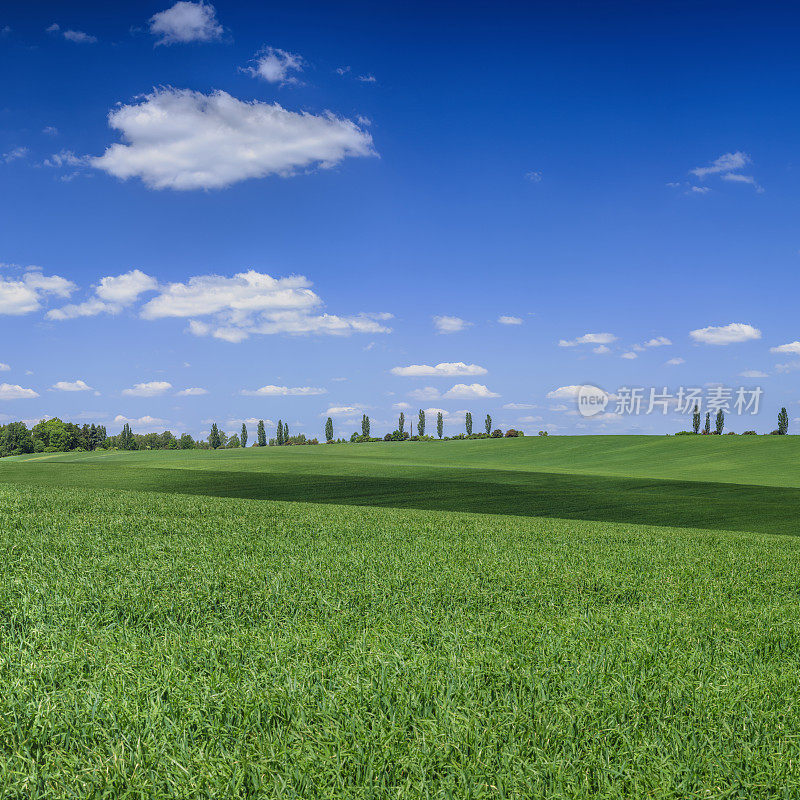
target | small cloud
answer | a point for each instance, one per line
(589, 338)
(192, 391)
(401, 406)
(80, 37)
(283, 391)
(274, 66)
(186, 22)
(658, 341)
(674, 362)
(601, 349)
(630, 356)
(446, 324)
(534, 176)
(50, 130)
(753, 373)
(343, 411)
(504, 320)
(445, 369)
(150, 389)
(13, 391)
(342, 70)
(367, 78)
(725, 163)
(426, 393)
(699, 189)
(15, 155)
(4, 368)
(733, 333)
(467, 391)
(140, 422)
(519, 406)
(72, 386)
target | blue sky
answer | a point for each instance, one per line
(299, 200)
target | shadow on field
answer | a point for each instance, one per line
(587, 497)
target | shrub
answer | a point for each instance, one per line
(511, 433)
(497, 433)
(685, 433)
(749, 433)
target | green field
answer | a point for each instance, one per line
(170, 627)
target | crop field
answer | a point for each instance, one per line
(172, 627)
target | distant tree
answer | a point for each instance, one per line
(719, 422)
(243, 437)
(439, 424)
(261, 434)
(783, 422)
(707, 428)
(126, 440)
(285, 433)
(488, 424)
(279, 434)
(468, 422)
(696, 419)
(421, 423)
(213, 437)
(365, 425)
(401, 423)
(186, 442)
(329, 430)
(234, 441)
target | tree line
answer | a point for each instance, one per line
(719, 424)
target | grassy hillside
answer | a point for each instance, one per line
(735, 483)
(157, 645)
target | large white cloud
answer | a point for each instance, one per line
(790, 347)
(25, 294)
(280, 391)
(726, 334)
(182, 139)
(149, 389)
(13, 391)
(447, 369)
(186, 22)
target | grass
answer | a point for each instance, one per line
(731, 483)
(172, 646)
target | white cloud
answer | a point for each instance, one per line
(530, 419)
(50, 130)
(140, 422)
(125, 288)
(565, 392)
(534, 176)
(674, 362)
(192, 391)
(753, 373)
(274, 65)
(89, 308)
(4, 367)
(518, 406)
(80, 37)
(504, 320)
(181, 139)
(445, 324)
(15, 154)
(150, 389)
(186, 22)
(447, 369)
(700, 189)
(630, 356)
(66, 158)
(460, 391)
(401, 406)
(589, 338)
(367, 78)
(24, 295)
(281, 391)
(601, 349)
(13, 391)
(726, 334)
(255, 303)
(658, 341)
(343, 411)
(725, 163)
(791, 347)
(72, 386)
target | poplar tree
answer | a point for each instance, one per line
(285, 433)
(783, 422)
(401, 424)
(469, 423)
(279, 434)
(243, 437)
(696, 419)
(213, 437)
(439, 424)
(488, 424)
(262, 434)
(329, 430)
(719, 422)
(707, 428)
(421, 423)
(365, 425)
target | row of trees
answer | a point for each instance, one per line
(719, 423)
